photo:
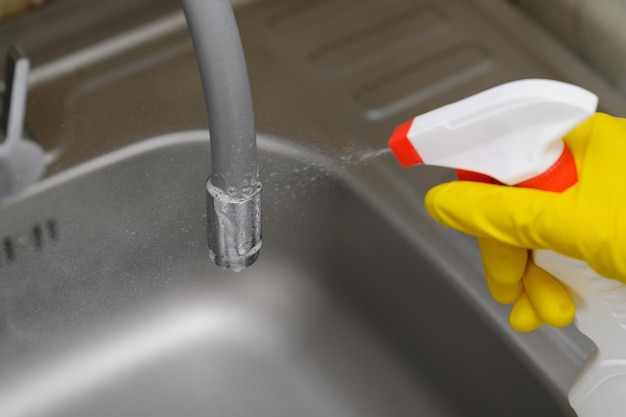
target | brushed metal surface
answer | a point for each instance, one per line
(115, 309)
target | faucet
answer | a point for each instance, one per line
(234, 187)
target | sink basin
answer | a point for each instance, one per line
(111, 307)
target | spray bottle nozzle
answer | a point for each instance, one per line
(401, 146)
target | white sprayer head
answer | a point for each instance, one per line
(511, 132)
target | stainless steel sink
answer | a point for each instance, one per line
(360, 305)
(111, 306)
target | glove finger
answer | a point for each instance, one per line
(548, 296)
(524, 317)
(504, 293)
(509, 215)
(503, 263)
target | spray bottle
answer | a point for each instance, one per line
(512, 133)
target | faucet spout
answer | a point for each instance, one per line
(233, 227)
(234, 187)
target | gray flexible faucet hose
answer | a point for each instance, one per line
(234, 189)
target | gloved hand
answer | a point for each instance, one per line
(587, 221)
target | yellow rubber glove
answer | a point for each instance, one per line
(587, 221)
